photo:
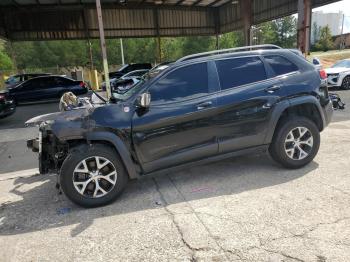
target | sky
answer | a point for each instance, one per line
(343, 6)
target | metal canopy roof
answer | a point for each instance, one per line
(77, 19)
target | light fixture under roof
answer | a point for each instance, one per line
(235, 2)
(158, 2)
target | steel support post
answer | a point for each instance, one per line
(247, 17)
(103, 48)
(304, 25)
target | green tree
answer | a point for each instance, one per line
(5, 60)
(230, 40)
(325, 42)
(197, 44)
(282, 32)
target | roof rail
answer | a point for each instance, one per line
(229, 50)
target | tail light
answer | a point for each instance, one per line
(323, 74)
(82, 84)
(2, 97)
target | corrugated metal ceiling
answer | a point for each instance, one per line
(76, 19)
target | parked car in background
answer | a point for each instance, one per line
(7, 105)
(45, 88)
(134, 76)
(317, 63)
(338, 75)
(135, 73)
(15, 79)
(128, 81)
(128, 68)
(202, 108)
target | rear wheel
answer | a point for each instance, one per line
(346, 83)
(93, 176)
(295, 143)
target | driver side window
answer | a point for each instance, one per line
(182, 83)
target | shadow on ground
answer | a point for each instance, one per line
(38, 206)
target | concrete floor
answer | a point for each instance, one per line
(246, 208)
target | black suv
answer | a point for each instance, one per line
(201, 108)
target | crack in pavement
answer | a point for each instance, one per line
(172, 215)
(178, 227)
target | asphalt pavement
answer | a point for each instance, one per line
(241, 209)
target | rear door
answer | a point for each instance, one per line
(179, 125)
(248, 94)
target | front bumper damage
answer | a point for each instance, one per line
(51, 151)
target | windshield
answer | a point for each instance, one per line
(139, 85)
(342, 63)
(13, 80)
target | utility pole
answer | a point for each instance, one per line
(103, 48)
(90, 55)
(122, 51)
(341, 34)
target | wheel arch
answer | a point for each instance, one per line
(114, 141)
(307, 106)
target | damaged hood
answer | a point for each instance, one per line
(72, 115)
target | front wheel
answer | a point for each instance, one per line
(93, 175)
(295, 143)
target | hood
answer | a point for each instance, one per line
(71, 115)
(337, 70)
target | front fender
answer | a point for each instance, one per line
(119, 146)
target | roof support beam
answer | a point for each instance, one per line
(197, 2)
(179, 2)
(214, 3)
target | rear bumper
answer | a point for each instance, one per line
(7, 108)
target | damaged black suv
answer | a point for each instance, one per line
(201, 108)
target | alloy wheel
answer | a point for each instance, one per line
(346, 83)
(94, 177)
(298, 143)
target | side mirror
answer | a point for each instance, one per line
(144, 100)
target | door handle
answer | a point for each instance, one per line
(272, 89)
(204, 105)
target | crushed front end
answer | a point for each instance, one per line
(57, 133)
(51, 151)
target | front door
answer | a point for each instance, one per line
(179, 125)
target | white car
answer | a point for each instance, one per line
(339, 74)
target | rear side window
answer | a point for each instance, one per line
(280, 65)
(183, 83)
(63, 81)
(240, 71)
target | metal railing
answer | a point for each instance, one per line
(229, 50)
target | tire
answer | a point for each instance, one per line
(285, 146)
(346, 83)
(93, 188)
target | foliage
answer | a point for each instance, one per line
(69, 53)
(325, 41)
(232, 39)
(281, 32)
(5, 60)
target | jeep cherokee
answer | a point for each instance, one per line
(201, 108)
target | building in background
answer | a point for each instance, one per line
(321, 19)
